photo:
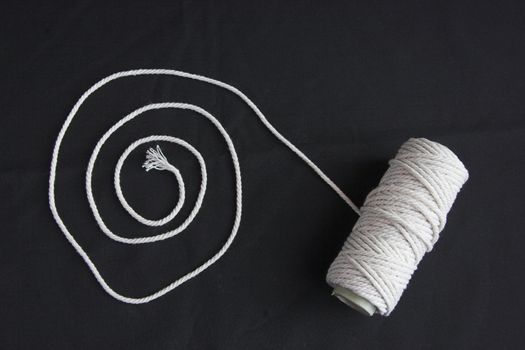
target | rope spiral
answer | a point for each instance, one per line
(156, 160)
(400, 221)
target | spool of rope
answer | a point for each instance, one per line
(400, 221)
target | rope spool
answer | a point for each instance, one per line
(400, 221)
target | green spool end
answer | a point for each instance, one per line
(353, 300)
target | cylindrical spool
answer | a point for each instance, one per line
(400, 221)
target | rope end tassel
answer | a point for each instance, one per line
(155, 159)
(400, 221)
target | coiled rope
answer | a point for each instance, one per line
(399, 222)
(156, 160)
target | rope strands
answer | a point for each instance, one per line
(156, 160)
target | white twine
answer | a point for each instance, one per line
(156, 160)
(400, 221)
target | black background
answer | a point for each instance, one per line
(347, 82)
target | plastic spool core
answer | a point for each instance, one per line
(353, 300)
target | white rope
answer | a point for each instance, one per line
(156, 160)
(400, 221)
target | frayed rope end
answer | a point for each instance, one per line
(155, 159)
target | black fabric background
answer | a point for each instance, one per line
(347, 82)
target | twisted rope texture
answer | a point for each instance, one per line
(400, 221)
(156, 160)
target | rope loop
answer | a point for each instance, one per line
(156, 160)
